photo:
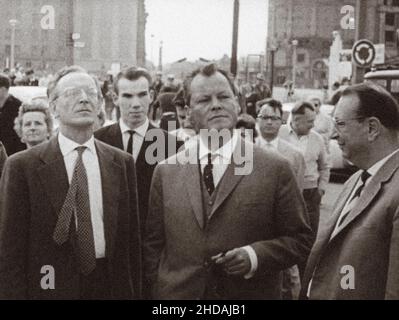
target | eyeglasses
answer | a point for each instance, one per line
(75, 93)
(341, 123)
(273, 118)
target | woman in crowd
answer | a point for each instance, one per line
(34, 123)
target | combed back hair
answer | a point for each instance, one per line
(4, 81)
(246, 121)
(131, 74)
(207, 71)
(375, 101)
(178, 100)
(51, 92)
(301, 106)
(38, 105)
(273, 103)
(310, 98)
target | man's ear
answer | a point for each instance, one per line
(53, 109)
(374, 128)
(115, 98)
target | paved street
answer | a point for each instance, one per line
(328, 202)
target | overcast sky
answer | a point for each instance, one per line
(203, 28)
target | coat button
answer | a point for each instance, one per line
(210, 203)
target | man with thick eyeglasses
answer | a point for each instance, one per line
(356, 256)
(68, 208)
(270, 122)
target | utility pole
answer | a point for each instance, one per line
(160, 56)
(13, 23)
(233, 64)
(294, 46)
(272, 53)
(361, 24)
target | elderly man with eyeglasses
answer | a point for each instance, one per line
(68, 207)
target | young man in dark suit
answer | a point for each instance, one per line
(135, 134)
(68, 208)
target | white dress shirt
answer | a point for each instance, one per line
(92, 166)
(221, 158)
(268, 145)
(138, 137)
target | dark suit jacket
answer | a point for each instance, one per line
(32, 191)
(112, 135)
(3, 157)
(264, 209)
(8, 136)
(367, 240)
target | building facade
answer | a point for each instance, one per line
(312, 22)
(98, 35)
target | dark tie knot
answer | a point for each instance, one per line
(131, 132)
(365, 175)
(80, 150)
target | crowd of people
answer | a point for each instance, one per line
(144, 189)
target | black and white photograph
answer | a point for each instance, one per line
(193, 156)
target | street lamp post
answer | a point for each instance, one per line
(273, 50)
(294, 46)
(13, 23)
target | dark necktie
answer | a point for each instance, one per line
(208, 175)
(365, 175)
(130, 142)
(77, 201)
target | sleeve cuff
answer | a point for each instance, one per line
(254, 262)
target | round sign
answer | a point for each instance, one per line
(363, 53)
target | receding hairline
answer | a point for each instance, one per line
(217, 72)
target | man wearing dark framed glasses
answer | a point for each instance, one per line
(356, 256)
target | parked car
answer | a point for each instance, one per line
(341, 169)
(389, 79)
(26, 94)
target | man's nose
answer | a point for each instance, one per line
(216, 104)
(135, 102)
(83, 97)
(334, 134)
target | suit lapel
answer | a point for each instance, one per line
(110, 181)
(116, 135)
(192, 183)
(370, 192)
(146, 144)
(230, 178)
(324, 237)
(53, 174)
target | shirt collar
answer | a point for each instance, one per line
(274, 142)
(141, 131)
(377, 166)
(226, 151)
(67, 145)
